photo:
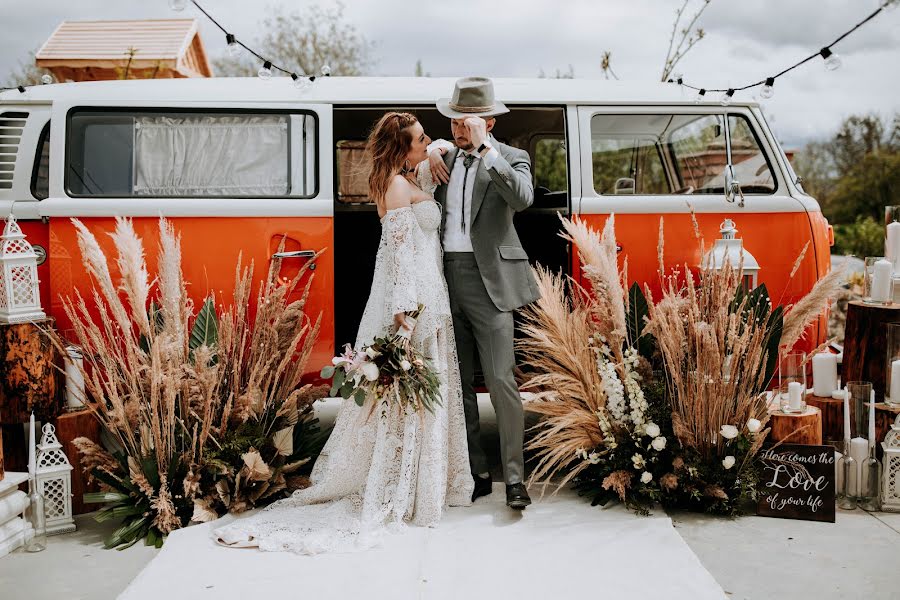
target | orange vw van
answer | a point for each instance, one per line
(142, 149)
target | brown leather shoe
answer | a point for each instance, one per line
(517, 496)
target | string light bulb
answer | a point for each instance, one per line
(177, 5)
(46, 78)
(265, 72)
(700, 96)
(233, 47)
(326, 71)
(301, 82)
(678, 78)
(768, 90)
(832, 60)
(727, 96)
(890, 4)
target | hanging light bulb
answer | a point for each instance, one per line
(726, 97)
(265, 72)
(700, 96)
(890, 4)
(326, 71)
(832, 60)
(46, 78)
(768, 91)
(233, 47)
(21, 89)
(301, 82)
(678, 78)
(177, 5)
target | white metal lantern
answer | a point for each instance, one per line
(54, 480)
(731, 250)
(890, 487)
(20, 299)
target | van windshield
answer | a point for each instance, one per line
(656, 154)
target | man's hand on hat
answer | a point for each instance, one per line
(477, 130)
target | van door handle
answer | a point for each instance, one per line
(307, 254)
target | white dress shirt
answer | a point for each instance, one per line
(456, 237)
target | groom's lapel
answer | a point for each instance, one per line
(482, 179)
(441, 193)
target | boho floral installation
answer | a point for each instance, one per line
(655, 401)
(201, 413)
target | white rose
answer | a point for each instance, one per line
(646, 477)
(658, 443)
(651, 429)
(729, 432)
(753, 425)
(371, 352)
(405, 365)
(728, 462)
(370, 370)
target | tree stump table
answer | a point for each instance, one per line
(832, 416)
(865, 343)
(71, 425)
(797, 428)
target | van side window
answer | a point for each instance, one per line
(186, 154)
(40, 174)
(657, 154)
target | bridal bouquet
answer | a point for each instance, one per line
(389, 369)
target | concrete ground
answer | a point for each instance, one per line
(751, 557)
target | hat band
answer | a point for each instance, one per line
(470, 109)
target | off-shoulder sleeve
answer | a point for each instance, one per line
(398, 229)
(423, 173)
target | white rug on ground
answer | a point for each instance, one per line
(559, 547)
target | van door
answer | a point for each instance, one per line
(650, 163)
(234, 181)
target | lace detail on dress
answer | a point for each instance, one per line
(379, 471)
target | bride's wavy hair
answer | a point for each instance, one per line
(388, 145)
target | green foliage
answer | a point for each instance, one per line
(864, 237)
(205, 331)
(638, 311)
(550, 164)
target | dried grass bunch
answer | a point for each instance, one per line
(186, 400)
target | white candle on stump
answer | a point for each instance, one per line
(795, 396)
(881, 281)
(32, 465)
(892, 244)
(824, 366)
(872, 420)
(894, 396)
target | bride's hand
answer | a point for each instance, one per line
(405, 324)
(439, 170)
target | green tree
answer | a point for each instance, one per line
(25, 73)
(305, 42)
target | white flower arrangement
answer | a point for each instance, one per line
(728, 462)
(729, 432)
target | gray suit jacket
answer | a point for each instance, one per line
(499, 193)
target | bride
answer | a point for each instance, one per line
(382, 469)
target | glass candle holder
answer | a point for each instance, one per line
(892, 366)
(860, 391)
(792, 382)
(878, 281)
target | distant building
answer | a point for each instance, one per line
(151, 49)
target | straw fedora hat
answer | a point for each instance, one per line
(472, 97)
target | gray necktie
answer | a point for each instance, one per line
(467, 162)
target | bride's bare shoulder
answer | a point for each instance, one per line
(399, 193)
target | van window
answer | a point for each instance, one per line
(190, 154)
(40, 173)
(657, 154)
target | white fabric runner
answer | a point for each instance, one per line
(559, 548)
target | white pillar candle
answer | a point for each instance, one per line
(881, 281)
(894, 396)
(795, 395)
(824, 365)
(859, 450)
(74, 378)
(32, 466)
(872, 419)
(892, 244)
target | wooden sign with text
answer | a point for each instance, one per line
(797, 482)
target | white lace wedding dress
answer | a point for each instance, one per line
(381, 470)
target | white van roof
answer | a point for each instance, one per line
(359, 90)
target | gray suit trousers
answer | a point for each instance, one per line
(480, 325)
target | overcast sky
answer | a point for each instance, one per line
(746, 41)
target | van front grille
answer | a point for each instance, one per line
(12, 124)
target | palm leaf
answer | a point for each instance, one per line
(638, 310)
(205, 331)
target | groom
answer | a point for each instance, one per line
(487, 270)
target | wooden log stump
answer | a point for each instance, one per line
(865, 343)
(832, 416)
(15, 447)
(884, 418)
(68, 427)
(799, 428)
(31, 377)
